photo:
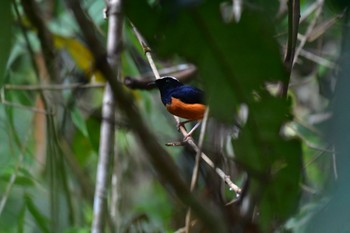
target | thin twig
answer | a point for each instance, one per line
(32, 109)
(310, 10)
(183, 229)
(196, 167)
(210, 163)
(30, 51)
(317, 59)
(334, 160)
(309, 30)
(35, 16)
(317, 155)
(293, 26)
(14, 174)
(321, 28)
(26, 38)
(52, 87)
(147, 51)
(182, 72)
(200, 145)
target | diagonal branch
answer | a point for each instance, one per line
(309, 29)
(293, 26)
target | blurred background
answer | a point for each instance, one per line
(288, 152)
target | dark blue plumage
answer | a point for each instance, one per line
(182, 100)
(171, 87)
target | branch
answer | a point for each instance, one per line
(196, 167)
(309, 30)
(293, 25)
(182, 72)
(35, 14)
(105, 152)
(52, 87)
(157, 155)
(114, 45)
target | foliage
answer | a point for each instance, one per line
(281, 158)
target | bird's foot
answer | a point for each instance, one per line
(181, 124)
(187, 137)
(189, 134)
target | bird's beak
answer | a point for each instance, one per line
(151, 84)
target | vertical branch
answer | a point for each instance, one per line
(105, 151)
(34, 14)
(47, 72)
(293, 26)
(114, 45)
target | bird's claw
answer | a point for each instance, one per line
(187, 137)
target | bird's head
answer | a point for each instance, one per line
(166, 86)
(167, 83)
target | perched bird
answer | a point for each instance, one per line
(182, 100)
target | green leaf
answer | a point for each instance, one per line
(79, 121)
(79, 53)
(93, 127)
(81, 147)
(40, 219)
(20, 179)
(21, 220)
(274, 163)
(5, 36)
(77, 230)
(233, 59)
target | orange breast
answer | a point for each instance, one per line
(187, 111)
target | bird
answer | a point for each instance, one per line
(182, 100)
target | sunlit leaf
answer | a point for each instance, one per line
(80, 54)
